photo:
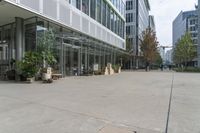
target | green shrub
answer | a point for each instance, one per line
(187, 69)
(116, 68)
(28, 65)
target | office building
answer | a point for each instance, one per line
(86, 32)
(137, 20)
(186, 22)
(152, 25)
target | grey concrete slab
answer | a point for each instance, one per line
(185, 113)
(133, 101)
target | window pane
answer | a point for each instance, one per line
(99, 11)
(93, 9)
(108, 17)
(76, 3)
(112, 20)
(104, 12)
(85, 6)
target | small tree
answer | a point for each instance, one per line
(45, 48)
(149, 45)
(185, 50)
(158, 59)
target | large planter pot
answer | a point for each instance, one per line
(119, 70)
(46, 76)
(30, 80)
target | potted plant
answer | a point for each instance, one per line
(117, 68)
(46, 53)
(28, 67)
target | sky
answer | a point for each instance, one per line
(165, 11)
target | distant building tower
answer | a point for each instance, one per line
(137, 20)
(168, 57)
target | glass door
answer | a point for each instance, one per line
(71, 60)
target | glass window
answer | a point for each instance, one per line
(115, 21)
(108, 17)
(112, 21)
(76, 3)
(93, 9)
(129, 17)
(117, 25)
(104, 12)
(99, 11)
(85, 6)
(30, 34)
(129, 5)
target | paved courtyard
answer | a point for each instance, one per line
(123, 103)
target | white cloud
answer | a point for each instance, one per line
(165, 11)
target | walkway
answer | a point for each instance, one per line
(123, 103)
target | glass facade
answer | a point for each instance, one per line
(93, 9)
(102, 12)
(76, 3)
(98, 11)
(119, 5)
(85, 6)
(76, 54)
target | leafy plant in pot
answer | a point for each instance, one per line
(28, 66)
(116, 68)
(46, 50)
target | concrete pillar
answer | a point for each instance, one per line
(1, 34)
(12, 42)
(79, 61)
(62, 64)
(19, 38)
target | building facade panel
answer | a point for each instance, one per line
(54, 12)
(35, 5)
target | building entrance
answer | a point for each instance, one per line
(71, 60)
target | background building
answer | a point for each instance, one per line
(152, 23)
(86, 32)
(186, 22)
(168, 57)
(137, 20)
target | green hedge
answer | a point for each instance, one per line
(188, 69)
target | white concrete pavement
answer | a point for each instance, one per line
(123, 103)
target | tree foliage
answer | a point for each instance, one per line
(28, 66)
(149, 45)
(158, 59)
(46, 46)
(185, 50)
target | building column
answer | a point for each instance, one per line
(61, 58)
(12, 42)
(2, 30)
(19, 38)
